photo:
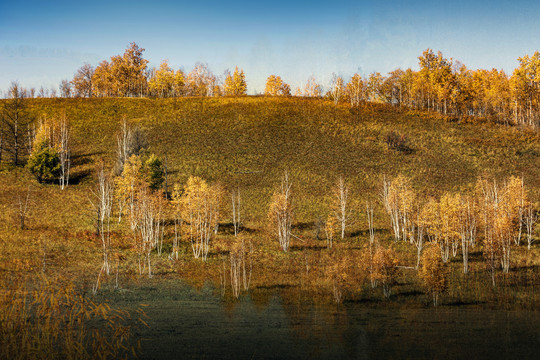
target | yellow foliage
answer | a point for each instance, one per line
(50, 130)
(312, 88)
(280, 213)
(130, 183)
(434, 272)
(163, 82)
(198, 206)
(55, 321)
(235, 84)
(385, 269)
(124, 75)
(331, 228)
(276, 87)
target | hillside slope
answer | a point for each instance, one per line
(250, 141)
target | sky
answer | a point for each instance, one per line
(44, 42)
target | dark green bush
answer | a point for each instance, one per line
(153, 167)
(44, 162)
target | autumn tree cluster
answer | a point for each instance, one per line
(45, 144)
(131, 190)
(198, 206)
(129, 75)
(50, 157)
(134, 190)
(440, 84)
(494, 217)
(449, 87)
(276, 87)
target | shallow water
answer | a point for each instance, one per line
(188, 324)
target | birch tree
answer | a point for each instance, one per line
(200, 81)
(337, 88)
(331, 229)
(385, 269)
(148, 230)
(241, 265)
(198, 205)
(434, 273)
(130, 141)
(489, 198)
(236, 210)
(502, 220)
(102, 202)
(23, 203)
(372, 244)
(467, 229)
(312, 88)
(281, 213)
(340, 205)
(64, 151)
(509, 223)
(399, 199)
(14, 124)
(418, 233)
(144, 209)
(531, 217)
(128, 186)
(356, 90)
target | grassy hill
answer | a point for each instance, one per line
(249, 142)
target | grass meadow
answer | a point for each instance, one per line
(248, 143)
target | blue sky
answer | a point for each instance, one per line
(43, 42)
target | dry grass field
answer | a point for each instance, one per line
(247, 143)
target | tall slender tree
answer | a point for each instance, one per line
(15, 122)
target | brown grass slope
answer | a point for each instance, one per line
(248, 142)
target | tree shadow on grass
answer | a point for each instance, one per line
(520, 269)
(408, 294)
(228, 228)
(458, 303)
(304, 225)
(81, 167)
(363, 300)
(78, 177)
(276, 286)
(83, 159)
(299, 248)
(366, 232)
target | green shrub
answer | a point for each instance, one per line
(154, 170)
(44, 162)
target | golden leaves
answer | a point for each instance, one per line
(434, 271)
(235, 84)
(198, 205)
(275, 86)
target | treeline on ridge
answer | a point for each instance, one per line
(441, 84)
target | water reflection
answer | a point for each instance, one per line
(281, 324)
